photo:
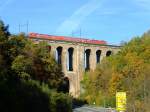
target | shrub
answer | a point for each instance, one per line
(31, 96)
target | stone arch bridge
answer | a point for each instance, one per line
(76, 55)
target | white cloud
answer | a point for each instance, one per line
(143, 3)
(73, 22)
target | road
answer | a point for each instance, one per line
(92, 109)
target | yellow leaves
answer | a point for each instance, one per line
(133, 59)
(126, 71)
(114, 83)
(135, 64)
(88, 98)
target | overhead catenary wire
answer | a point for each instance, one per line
(24, 25)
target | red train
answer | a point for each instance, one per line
(64, 38)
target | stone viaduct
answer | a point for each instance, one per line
(76, 55)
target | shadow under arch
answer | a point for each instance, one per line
(98, 56)
(48, 47)
(108, 53)
(64, 85)
(70, 58)
(59, 54)
(87, 59)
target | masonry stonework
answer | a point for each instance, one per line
(78, 59)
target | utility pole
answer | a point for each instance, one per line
(24, 25)
(27, 26)
(80, 32)
(19, 28)
(72, 33)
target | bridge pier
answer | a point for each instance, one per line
(77, 61)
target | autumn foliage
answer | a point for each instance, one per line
(126, 71)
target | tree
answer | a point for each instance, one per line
(37, 61)
(125, 71)
(4, 35)
(29, 76)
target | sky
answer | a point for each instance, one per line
(111, 20)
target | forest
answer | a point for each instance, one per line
(127, 71)
(32, 81)
(30, 78)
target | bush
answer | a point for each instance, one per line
(22, 97)
(78, 102)
(30, 96)
(62, 102)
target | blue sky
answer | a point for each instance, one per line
(110, 20)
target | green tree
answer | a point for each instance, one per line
(29, 76)
(37, 61)
(4, 35)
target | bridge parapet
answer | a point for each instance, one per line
(76, 56)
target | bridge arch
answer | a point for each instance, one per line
(77, 54)
(108, 53)
(70, 58)
(65, 85)
(87, 54)
(98, 56)
(59, 54)
(48, 48)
